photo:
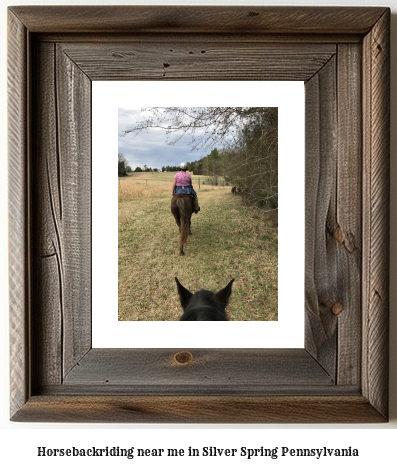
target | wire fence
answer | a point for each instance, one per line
(198, 181)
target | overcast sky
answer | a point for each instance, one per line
(150, 147)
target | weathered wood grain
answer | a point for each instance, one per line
(346, 229)
(339, 378)
(206, 368)
(62, 208)
(19, 224)
(156, 39)
(206, 60)
(47, 316)
(199, 409)
(73, 89)
(376, 105)
(321, 264)
(199, 19)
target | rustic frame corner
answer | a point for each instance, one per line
(342, 54)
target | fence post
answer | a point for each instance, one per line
(199, 182)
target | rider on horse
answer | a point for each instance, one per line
(183, 184)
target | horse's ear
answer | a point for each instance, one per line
(184, 294)
(223, 295)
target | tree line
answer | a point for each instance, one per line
(242, 145)
(124, 168)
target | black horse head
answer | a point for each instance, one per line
(204, 305)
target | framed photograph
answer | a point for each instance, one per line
(342, 56)
(252, 245)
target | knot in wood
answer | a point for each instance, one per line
(183, 358)
(337, 308)
(338, 235)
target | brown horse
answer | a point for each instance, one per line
(182, 207)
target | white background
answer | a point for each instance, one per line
(288, 331)
(19, 442)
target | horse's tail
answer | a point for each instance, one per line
(184, 220)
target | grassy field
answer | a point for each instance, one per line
(229, 241)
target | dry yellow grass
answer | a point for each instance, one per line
(131, 190)
(152, 185)
(229, 241)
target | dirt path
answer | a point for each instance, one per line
(228, 241)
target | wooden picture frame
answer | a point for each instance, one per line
(342, 54)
